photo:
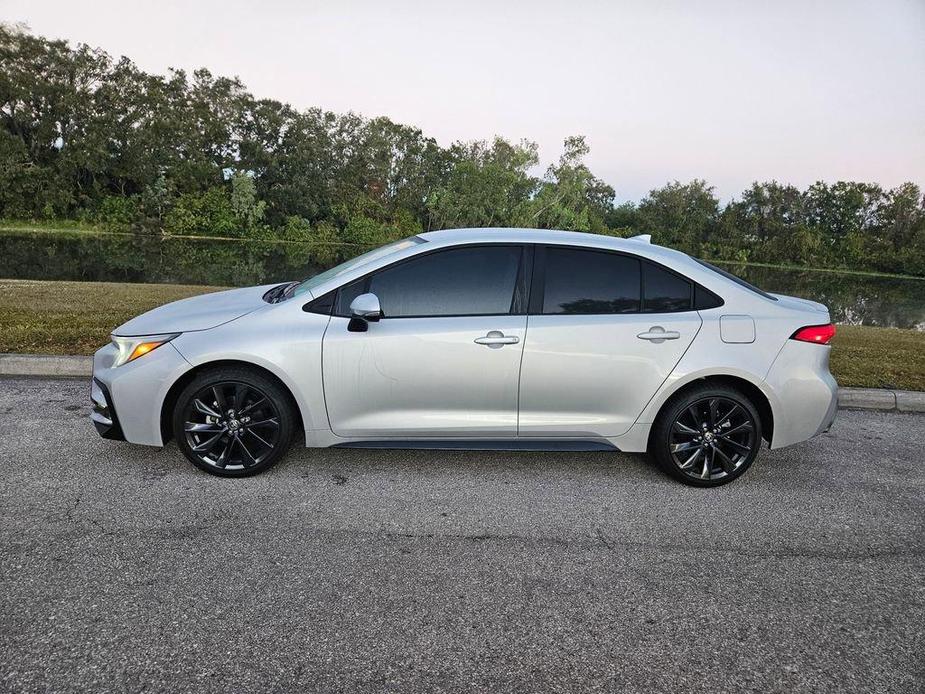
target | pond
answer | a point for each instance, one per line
(853, 299)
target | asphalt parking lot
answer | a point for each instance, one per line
(124, 568)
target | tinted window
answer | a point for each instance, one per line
(346, 295)
(704, 298)
(664, 291)
(737, 280)
(580, 281)
(458, 282)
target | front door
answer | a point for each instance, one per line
(444, 361)
(600, 345)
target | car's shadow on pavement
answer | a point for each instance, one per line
(340, 464)
(311, 462)
(792, 468)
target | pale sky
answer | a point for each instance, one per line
(730, 91)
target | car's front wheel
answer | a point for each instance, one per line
(233, 422)
(708, 436)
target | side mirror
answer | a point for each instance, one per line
(365, 309)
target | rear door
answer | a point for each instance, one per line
(444, 361)
(599, 345)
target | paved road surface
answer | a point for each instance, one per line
(123, 568)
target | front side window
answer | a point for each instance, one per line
(474, 281)
(589, 282)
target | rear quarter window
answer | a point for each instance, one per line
(738, 280)
(664, 291)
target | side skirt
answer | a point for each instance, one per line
(486, 445)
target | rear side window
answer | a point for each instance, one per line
(473, 281)
(705, 299)
(738, 280)
(664, 291)
(586, 282)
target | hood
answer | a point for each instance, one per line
(196, 313)
(794, 302)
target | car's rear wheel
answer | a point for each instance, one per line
(233, 422)
(708, 436)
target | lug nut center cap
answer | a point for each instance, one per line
(708, 435)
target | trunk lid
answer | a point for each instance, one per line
(793, 302)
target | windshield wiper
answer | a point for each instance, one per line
(278, 293)
(289, 291)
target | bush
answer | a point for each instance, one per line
(116, 211)
(203, 214)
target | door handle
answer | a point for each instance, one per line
(657, 334)
(496, 339)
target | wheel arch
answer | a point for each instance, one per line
(750, 389)
(173, 393)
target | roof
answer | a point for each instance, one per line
(551, 236)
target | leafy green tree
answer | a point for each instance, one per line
(247, 208)
(844, 213)
(44, 87)
(488, 185)
(680, 215)
(767, 222)
(86, 137)
(396, 166)
(894, 236)
(571, 197)
(622, 219)
(367, 223)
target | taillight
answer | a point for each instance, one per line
(818, 334)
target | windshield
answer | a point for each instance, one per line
(319, 279)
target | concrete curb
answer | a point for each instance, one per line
(47, 365)
(52, 366)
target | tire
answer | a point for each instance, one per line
(233, 422)
(706, 456)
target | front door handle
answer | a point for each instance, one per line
(495, 339)
(658, 334)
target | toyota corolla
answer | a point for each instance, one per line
(479, 339)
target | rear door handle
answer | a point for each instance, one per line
(658, 334)
(496, 339)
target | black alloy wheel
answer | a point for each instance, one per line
(708, 438)
(233, 423)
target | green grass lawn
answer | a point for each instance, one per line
(879, 357)
(77, 317)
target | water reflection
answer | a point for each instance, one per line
(852, 299)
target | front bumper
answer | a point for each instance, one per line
(127, 400)
(103, 415)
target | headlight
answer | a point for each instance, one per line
(130, 348)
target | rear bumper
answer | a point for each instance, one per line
(806, 392)
(830, 415)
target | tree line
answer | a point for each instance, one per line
(89, 138)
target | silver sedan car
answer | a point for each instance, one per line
(508, 339)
